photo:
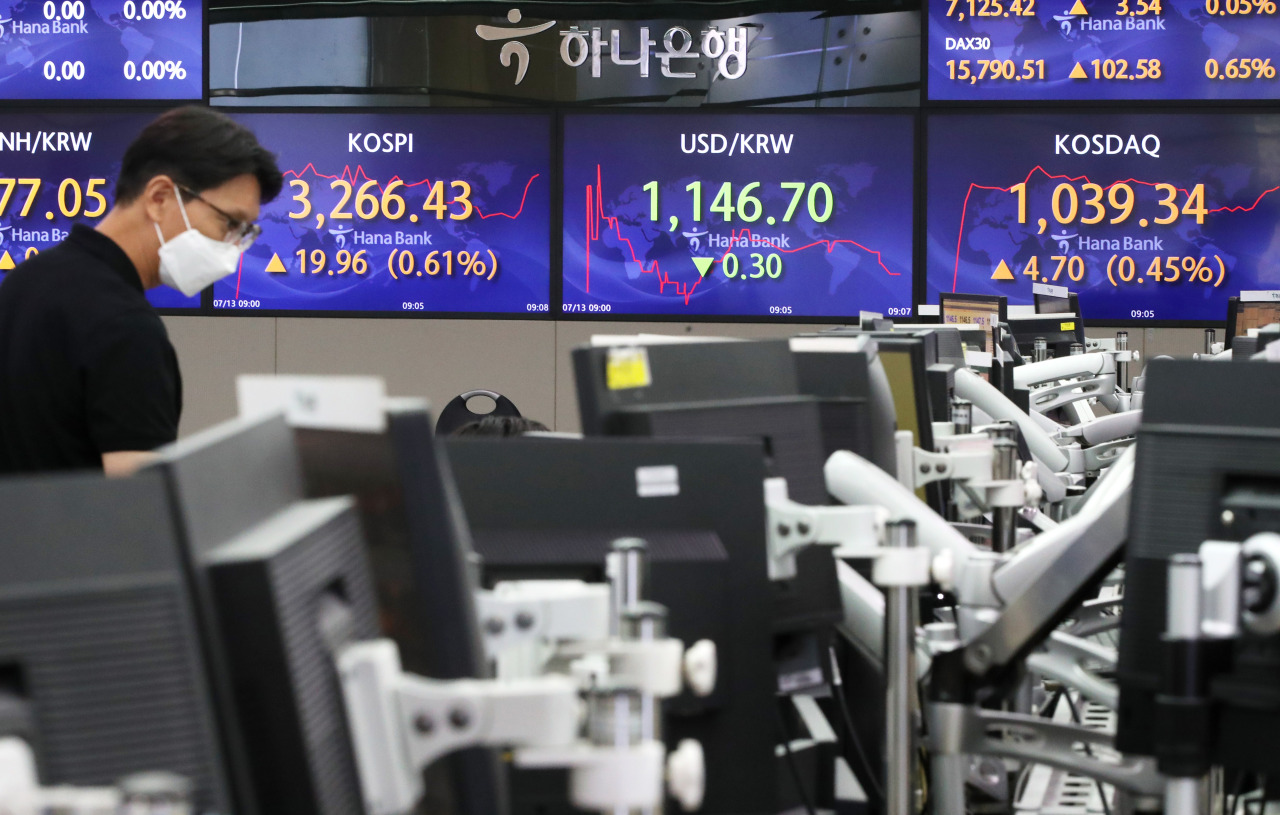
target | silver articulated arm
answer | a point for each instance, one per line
(1051, 458)
(1105, 513)
(855, 481)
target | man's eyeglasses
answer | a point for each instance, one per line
(240, 234)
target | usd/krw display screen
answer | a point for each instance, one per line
(401, 212)
(101, 49)
(59, 169)
(1147, 216)
(985, 50)
(738, 215)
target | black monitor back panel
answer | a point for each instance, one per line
(685, 373)
(418, 544)
(289, 594)
(544, 508)
(1210, 435)
(97, 635)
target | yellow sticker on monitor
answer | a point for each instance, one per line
(1067, 327)
(627, 368)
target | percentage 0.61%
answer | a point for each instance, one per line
(403, 263)
(1242, 68)
(154, 69)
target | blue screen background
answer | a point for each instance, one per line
(109, 40)
(505, 158)
(1189, 38)
(858, 259)
(974, 159)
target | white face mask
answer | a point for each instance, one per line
(193, 261)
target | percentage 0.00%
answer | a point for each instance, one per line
(403, 263)
(154, 10)
(154, 69)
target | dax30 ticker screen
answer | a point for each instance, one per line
(58, 169)
(1147, 216)
(763, 215)
(442, 212)
(1169, 50)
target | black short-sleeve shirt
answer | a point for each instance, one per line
(86, 366)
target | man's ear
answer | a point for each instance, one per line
(160, 190)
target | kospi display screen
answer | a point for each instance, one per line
(59, 169)
(102, 49)
(738, 215)
(401, 212)
(1147, 216)
(1174, 50)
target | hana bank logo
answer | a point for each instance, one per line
(678, 48)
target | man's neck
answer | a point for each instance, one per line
(128, 227)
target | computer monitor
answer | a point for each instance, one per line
(708, 390)
(904, 365)
(849, 367)
(98, 642)
(975, 311)
(1208, 468)
(280, 585)
(419, 547)
(1054, 304)
(1244, 314)
(550, 508)
(1059, 333)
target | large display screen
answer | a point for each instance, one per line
(1147, 216)
(738, 215)
(401, 212)
(59, 169)
(1018, 50)
(101, 49)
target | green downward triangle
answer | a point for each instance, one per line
(704, 265)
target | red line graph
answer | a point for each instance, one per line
(1039, 169)
(595, 216)
(353, 176)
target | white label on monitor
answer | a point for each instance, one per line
(1050, 291)
(323, 402)
(926, 310)
(658, 482)
(1260, 297)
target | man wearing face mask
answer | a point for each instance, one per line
(88, 377)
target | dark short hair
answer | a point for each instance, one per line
(501, 426)
(199, 148)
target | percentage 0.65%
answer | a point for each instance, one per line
(1242, 68)
(402, 263)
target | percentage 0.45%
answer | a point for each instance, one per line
(1242, 68)
(403, 263)
(1125, 269)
